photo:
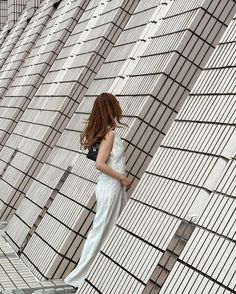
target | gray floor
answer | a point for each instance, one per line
(51, 290)
(16, 278)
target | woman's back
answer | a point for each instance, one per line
(116, 159)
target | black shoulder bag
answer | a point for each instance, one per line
(93, 152)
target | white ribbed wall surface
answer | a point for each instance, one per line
(32, 6)
(168, 91)
(3, 13)
(177, 232)
(207, 262)
(15, 8)
(23, 47)
(146, 117)
(20, 93)
(191, 177)
(11, 39)
(80, 201)
(3, 35)
(62, 90)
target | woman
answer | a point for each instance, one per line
(112, 183)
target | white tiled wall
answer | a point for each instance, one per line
(149, 54)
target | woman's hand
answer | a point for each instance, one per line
(126, 183)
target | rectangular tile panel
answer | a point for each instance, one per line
(24, 88)
(184, 176)
(62, 90)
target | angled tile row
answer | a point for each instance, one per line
(62, 90)
(18, 97)
(23, 47)
(3, 13)
(149, 54)
(9, 42)
(180, 184)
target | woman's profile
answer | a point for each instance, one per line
(111, 195)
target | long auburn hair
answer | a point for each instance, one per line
(105, 115)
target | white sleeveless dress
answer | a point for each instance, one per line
(111, 199)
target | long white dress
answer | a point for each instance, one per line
(111, 199)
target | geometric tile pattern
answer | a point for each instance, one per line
(187, 188)
(50, 169)
(3, 34)
(15, 275)
(20, 93)
(15, 7)
(49, 172)
(11, 39)
(24, 46)
(169, 258)
(41, 290)
(177, 232)
(32, 6)
(3, 13)
(39, 62)
(207, 263)
(83, 206)
(175, 186)
(62, 90)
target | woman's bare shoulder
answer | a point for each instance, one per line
(109, 135)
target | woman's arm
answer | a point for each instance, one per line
(102, 157)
